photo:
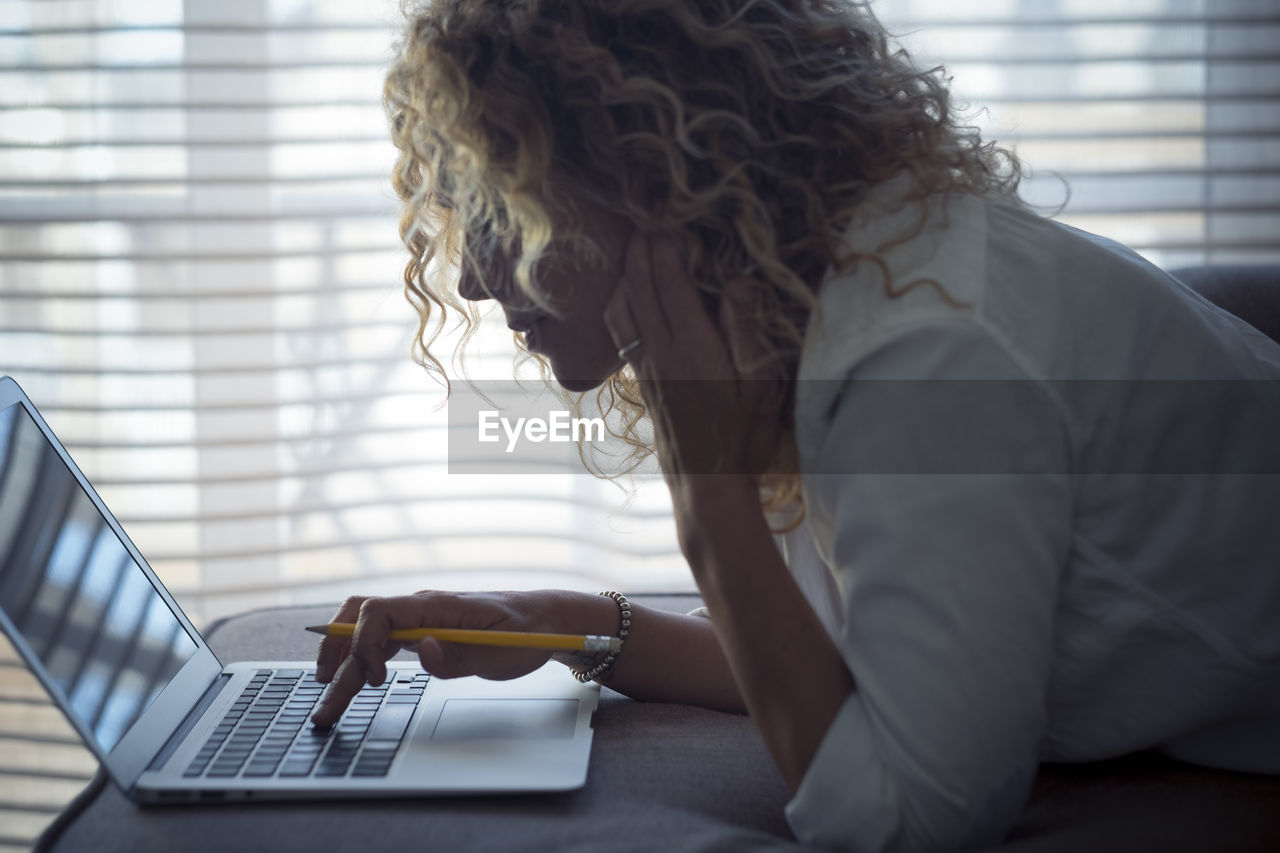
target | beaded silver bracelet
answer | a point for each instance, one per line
(604, 669)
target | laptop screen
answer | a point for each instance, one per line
(79, 600)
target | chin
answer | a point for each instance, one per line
(578, 380)
(581, 371)
(578, 386)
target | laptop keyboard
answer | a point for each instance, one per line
(267, 731)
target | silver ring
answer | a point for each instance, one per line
(628, 349)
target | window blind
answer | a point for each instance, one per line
(1154, 122)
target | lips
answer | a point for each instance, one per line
(526, 325)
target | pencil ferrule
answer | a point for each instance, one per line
(600, 643)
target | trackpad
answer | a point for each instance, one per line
(508, 719)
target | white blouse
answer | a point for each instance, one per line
(1104, 575)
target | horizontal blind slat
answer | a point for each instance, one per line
(630, 548)
(103, 200)
(1120, 18)
(1156, 59)
(196, 255)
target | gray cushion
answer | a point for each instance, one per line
(1252, 293)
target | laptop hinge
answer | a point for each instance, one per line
(189, 722)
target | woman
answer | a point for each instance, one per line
(738, 219)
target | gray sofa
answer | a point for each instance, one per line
(664, 778)
(1250, 292)
(671, 778)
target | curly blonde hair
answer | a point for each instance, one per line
(749, 129)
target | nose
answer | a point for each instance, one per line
(470, 285)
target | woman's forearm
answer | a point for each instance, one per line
(789, 671)
(668, 657)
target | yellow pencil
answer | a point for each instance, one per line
(517, 639)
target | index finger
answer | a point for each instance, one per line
(661, 292)
(668, 270)
(365, 655)
(346, 684)
(638, 288)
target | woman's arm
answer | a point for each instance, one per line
(789, 671)
(713, 397)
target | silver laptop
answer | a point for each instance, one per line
(171, 723)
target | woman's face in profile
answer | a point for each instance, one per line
(578, 283)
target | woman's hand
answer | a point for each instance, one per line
(706, 381)
(350, 662)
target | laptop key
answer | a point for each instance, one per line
(371, 770)
(296, 768)
(333, 768)
(391, 722)
(325, 770)
(261, 766)
(374, 762)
